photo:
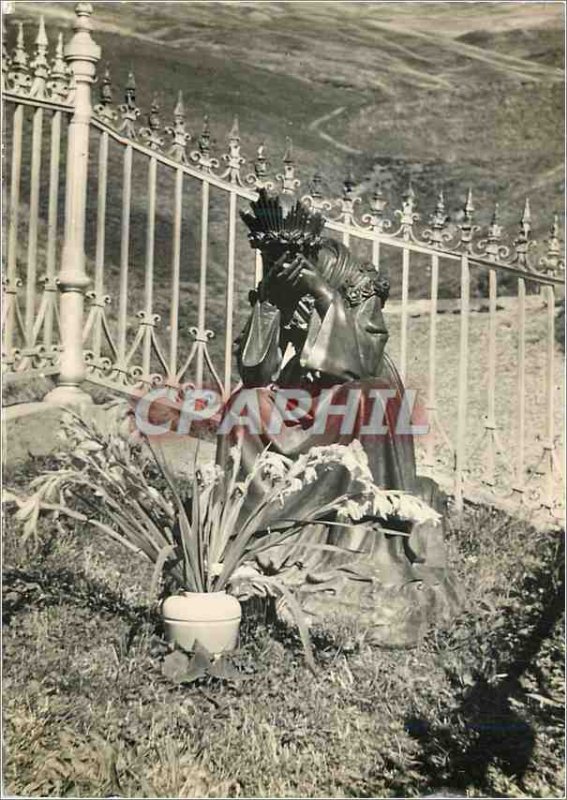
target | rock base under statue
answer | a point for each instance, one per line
(388, 616)
(392, 587)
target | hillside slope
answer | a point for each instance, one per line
(449, 94)
(475, 89)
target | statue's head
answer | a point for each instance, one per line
(278, 224)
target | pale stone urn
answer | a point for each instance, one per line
(210, 618)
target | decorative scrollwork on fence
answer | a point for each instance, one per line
(129, 111)
(552, 262)
(151, 133)
(179, 134)
(347, 202)
(375, 218)
(39, 64)
(201, 338)
(233, 159)
(19, 79)
(289, 183)
(438, 234)
(35, 77)
(407, 215)
(468, 229)
(202, 156)
(315, 198)
(492, 246)
(58, 82)
(523, 243)
(104, 108)
(259, 178)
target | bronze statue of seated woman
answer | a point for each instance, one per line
(316, 327)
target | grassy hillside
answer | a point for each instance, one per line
(450, 95)
(467, 88)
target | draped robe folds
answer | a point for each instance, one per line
(400, 584)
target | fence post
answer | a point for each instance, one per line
(82, 54)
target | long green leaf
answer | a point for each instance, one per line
(196, 525)
(76, 515)
(158, 569)
(226, 525)
(299, 618)
(235, 552)
(187, 535)
(140, 539)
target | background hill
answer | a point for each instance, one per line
(455, 93)
(449, 94)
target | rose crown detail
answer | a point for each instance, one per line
(270, 223)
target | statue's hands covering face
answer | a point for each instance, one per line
(293, 277)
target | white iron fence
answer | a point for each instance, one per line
(166, 310)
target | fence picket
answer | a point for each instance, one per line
(549, 444)
(490, 421)
(12, 278)
(230, 295)
(431, 406)
(124, 256)
(404, 318)
(52, 221)
(201, 338)
(98, 300)
(31, 272)
(461, 446)
(175, 274)
(147, 316)
(521, 389)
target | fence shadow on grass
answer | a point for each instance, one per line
(52, 587)
(493, 731)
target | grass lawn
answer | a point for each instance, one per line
(88, 712)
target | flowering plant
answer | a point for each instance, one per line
(205, 540)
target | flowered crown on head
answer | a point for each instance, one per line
(275, 220)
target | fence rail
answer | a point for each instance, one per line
(154, 304)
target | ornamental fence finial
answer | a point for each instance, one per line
(104, 109)
(58, 83)
(233, 159)
(19, 77)
(151, 133)
(523, 242)
(467, 227)
(202, 156)
(378, 203)
(259, 178)
(551, 262)
(180, 135)
(39, 64)
(347, 202)
(129, 111)
(438, 234)
(407, 214)
(289, 182)
(82, 47)
(315, 198)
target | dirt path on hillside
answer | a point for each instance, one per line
(315, 126)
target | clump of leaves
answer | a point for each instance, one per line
(208, 539)
(178, 667)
